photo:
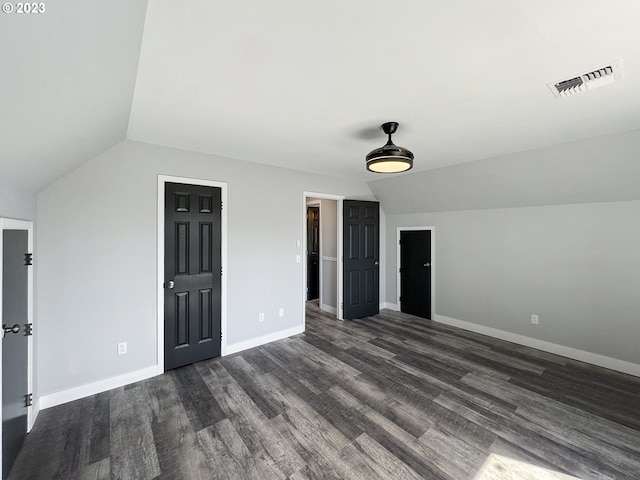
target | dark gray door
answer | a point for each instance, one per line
(361, 232)
(14, 344)
(192, 300)
(415, 272)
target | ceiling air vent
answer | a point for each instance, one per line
(582, 82)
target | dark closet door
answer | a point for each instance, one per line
(15, 286)
(313, 252)
(415, 272)
(192, 301)
(361, 232)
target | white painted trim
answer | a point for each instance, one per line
(433, 256)
(82, 391)
(256, 342)
(13, 224)
(328, 309)
(329, 259)
(339, 213)
(162, 179)
(574, 353)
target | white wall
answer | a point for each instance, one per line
(576, 266)
(97, 247)
(17, 202)
(328, 261)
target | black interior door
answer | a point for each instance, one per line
(313, 252)
(361, 224)
(192, 301)
(14, 344)
(415, 272)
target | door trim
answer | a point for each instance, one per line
(162, 179)
(433, 250)
(339, 214)
(12, 224)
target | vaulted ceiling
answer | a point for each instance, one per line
(306, 85)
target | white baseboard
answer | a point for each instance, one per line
(390, 306)
(574, 353)
(328, 309)
(76, 393)
(35, 410)
(256, 342)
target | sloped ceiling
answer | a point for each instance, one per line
(66, 84)
(305, 84)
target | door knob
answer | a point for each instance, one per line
(171, 284)
(427, 264)
(376, 263)
(8, 329)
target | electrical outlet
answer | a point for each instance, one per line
(281, 312)
(534, 319)
(122, 348)
(261, 317)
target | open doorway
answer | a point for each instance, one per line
(323, 253)
(313, 251)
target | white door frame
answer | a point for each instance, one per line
(432, 270)
(339, 214)
(162, 180)
(12, 224)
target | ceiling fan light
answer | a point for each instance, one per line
(389, 164)
(389, 158)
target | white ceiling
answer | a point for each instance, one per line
(66, 84)
(306, 84)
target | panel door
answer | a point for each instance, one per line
(415, 272)
(192, 273)
(14, 345)
(361, 223)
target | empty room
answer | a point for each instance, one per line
(320, 240)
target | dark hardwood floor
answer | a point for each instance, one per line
(391, 397)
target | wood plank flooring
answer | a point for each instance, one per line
(386, 397)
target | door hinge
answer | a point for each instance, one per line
(28, 400)
(221, 205)
(28, 259)
(399, 270)
(220, 271)
(28, 329)
(400, 298)
(220, 336)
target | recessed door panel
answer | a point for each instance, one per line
(182, 248)
(370, 241)
(205, 315)
(205, 247)
(182, 319)
(206, 203)
(354, 242)
(354, 287)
